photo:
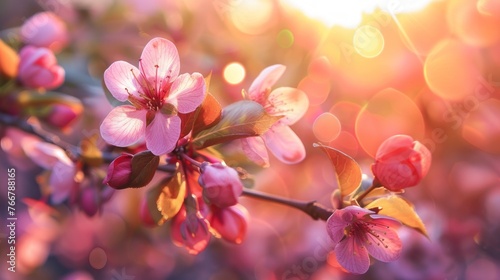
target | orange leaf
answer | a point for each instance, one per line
(346, 168)
(9, 61)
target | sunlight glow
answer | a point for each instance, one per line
(350, 13)
(234, 73)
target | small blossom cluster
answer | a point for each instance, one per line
(163, 114)
(26, 74)
(358, 232)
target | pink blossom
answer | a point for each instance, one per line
(156, 92)
(358, 232)
(221, 184)
(230, 223)
(401, 162)
(38, 68)
(292, 104)
(46, 30)
(62, 178)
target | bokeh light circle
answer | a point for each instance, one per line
(368, 41)
(481, 127)
(475, 23)
(98, 258)
(234, 73)
(326, 127)
(316, 89)
(451, 70)
(251, 16)
(285, 38)
(387, 113)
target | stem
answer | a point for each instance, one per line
(311, 208)
(192, 161)
(9, 120)
(23, 125)
(367, 191)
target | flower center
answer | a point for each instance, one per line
(152, 91)
(366, 233)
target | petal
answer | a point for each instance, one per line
(266, 79)
(123, 126)
(121, 80)
(62, 181)
(335, 226)
(383, 242)
(255, 149)
(159, 59)
(352, 256)
(187, 92)
(284, 144)
(46, 155)
(162, 133)
(358, 212)
(394, 145)
(289, 102)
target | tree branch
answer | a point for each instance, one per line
(311, 208)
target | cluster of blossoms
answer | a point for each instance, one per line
(163, 134)
(164, 111)
(359, 232)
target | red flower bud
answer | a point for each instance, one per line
(119, 171)
(190, 231)
(221, 184)
(38, 68)
(46, 30)
(230, 222)
(401, 162)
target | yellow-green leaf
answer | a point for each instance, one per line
(152, 196)
(172, 196)
(90, 153)
(240, 119)
(399, 209)
(347, 169)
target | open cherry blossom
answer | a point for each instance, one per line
(292, 104)
(156, 92)
(358, 232)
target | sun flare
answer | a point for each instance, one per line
(350, 13)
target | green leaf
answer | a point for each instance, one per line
(349, 174)
(144, 166)
(171, 197)
(241, 119)
(399, 209)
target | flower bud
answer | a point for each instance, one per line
(230, 222)
(61, 115)
(91, 199)
(38, 68)
(221, 184)
(46, 30)
(190, 230)
(401, 162)
(119, 171)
